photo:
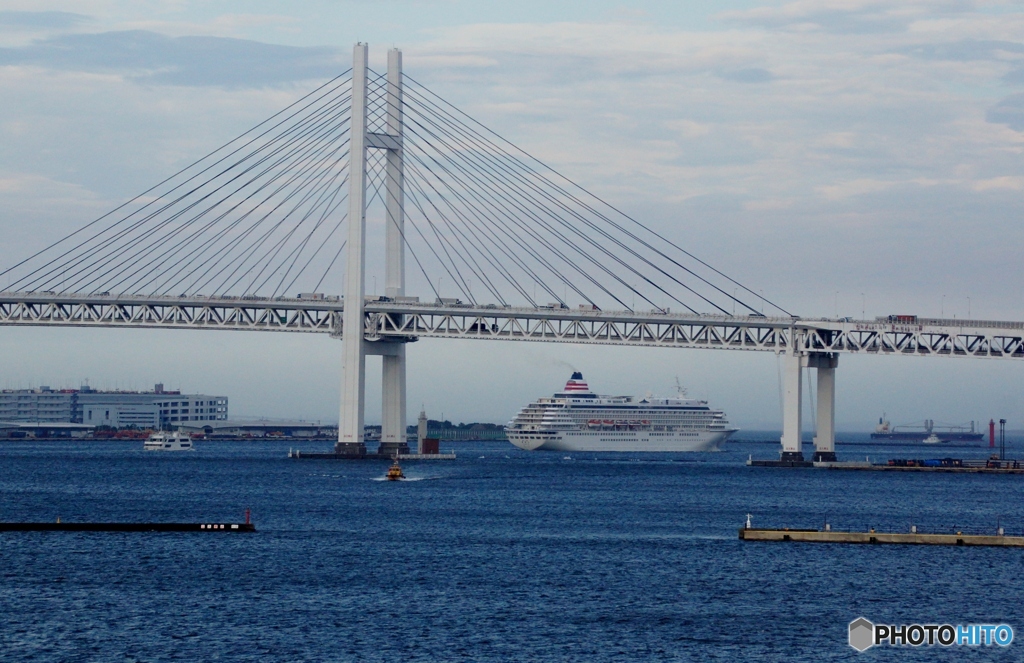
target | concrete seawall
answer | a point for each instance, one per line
(916, 538)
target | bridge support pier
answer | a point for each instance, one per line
(393, 436)
(792, 412)
(825, 437)
(792, 406)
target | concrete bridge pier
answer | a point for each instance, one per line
(825, 364)
(393, 436)
(792, 406)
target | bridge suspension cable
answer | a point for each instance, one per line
(492, 202)
(263, 214)
(255, 214)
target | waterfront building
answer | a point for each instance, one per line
(119, 409)
(41, 405)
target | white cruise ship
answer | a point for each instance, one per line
(577, 419)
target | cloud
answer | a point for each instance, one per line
(844, 16)
(842, 140)
(239, 25)
(155, 59)
(1013, 183)
(852, 188)
(1014, 76)
(589, 50)
(967, 49)
(31, 202)
(455, 60)
(750, 75)
(40, 20)
(1009, 111)
(768, 204)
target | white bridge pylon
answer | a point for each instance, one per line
(355, 347)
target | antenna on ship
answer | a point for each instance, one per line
(680, 389)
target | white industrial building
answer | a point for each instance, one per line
(118, 409)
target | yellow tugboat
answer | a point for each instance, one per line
(395, 472)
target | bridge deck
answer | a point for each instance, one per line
(403, 322)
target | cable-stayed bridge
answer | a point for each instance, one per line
(521, 252)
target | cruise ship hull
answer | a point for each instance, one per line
(612, 441)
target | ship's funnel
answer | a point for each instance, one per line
(577, 384)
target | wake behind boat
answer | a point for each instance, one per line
(577, 419)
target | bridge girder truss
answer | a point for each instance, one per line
(390, 321)
(917, 340)
(602, 329)
(178, 314)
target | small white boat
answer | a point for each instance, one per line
(177, 441)
(932, 439)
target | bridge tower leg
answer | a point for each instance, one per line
(353, 379)
(792, 407)
(825, 437)
(393, 430)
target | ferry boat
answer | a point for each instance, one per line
(177, 441)
(577, 419)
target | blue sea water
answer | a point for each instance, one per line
(500, 555)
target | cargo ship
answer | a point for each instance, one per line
(927, 431)
(577, 419)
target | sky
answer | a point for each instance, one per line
(847, 157)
